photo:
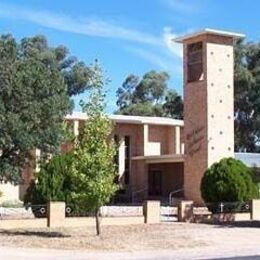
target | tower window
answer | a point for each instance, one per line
(195, 62)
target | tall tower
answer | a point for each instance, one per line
(208, 103)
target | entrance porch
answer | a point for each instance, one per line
(160, 176)
(164, 178)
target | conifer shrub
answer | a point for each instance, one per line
(230, 181)
(51, 183)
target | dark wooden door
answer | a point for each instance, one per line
(155, 183)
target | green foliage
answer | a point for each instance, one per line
(149, 96)
(256, 177)
(93, 165)
(53, 182)
(36, 83)
(228, 180)
(247, 92)
(173, 105)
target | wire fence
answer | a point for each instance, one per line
(229, 207)
(74, 211)
(167, 213)
(23, 212)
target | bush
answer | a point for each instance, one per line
(256, 177)
(53, 182)
(229, 180)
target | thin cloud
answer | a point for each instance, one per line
(173, 47)
(96, 27)
(91, 27)
(161, 61)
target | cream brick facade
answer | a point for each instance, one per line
(156, 161)
(220, 101)
(154, 142)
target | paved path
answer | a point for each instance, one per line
(185, 254)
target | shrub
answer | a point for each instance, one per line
(256, 177)
(53, 182)
(228, 180)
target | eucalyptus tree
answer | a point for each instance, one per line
(36, 85)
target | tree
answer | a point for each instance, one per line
(228, 180)
(36, 83)
(148, 96)
(173, 106)
(247, 92)
(93, 169)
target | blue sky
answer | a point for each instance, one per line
(127, 36)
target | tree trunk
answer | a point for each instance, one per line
(98, 221)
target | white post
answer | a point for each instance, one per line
(182, 148)
(146, 135)
(76, 127)
(177, 140)
(121, 159)
(37, 159)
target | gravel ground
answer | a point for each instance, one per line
(170, 236)
(158, 241)
(121, 238)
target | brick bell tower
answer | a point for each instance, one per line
(208, 65)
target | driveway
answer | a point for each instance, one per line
(212, 252)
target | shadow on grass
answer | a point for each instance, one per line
(47, 234)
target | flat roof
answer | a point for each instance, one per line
(165, 158)
(209, 31)
(132, 119)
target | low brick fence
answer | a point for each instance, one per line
(188, 213)
(69, 222)
(149, 213)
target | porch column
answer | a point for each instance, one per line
(177, 140)
(146, 135)
(121, 157)
(76, 127)
(37, 159)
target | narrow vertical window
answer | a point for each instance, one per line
(116, 157)
(127, 159)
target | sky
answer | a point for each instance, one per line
(127, 36)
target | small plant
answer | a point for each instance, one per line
(228, 180)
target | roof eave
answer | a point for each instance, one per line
(233, 35)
